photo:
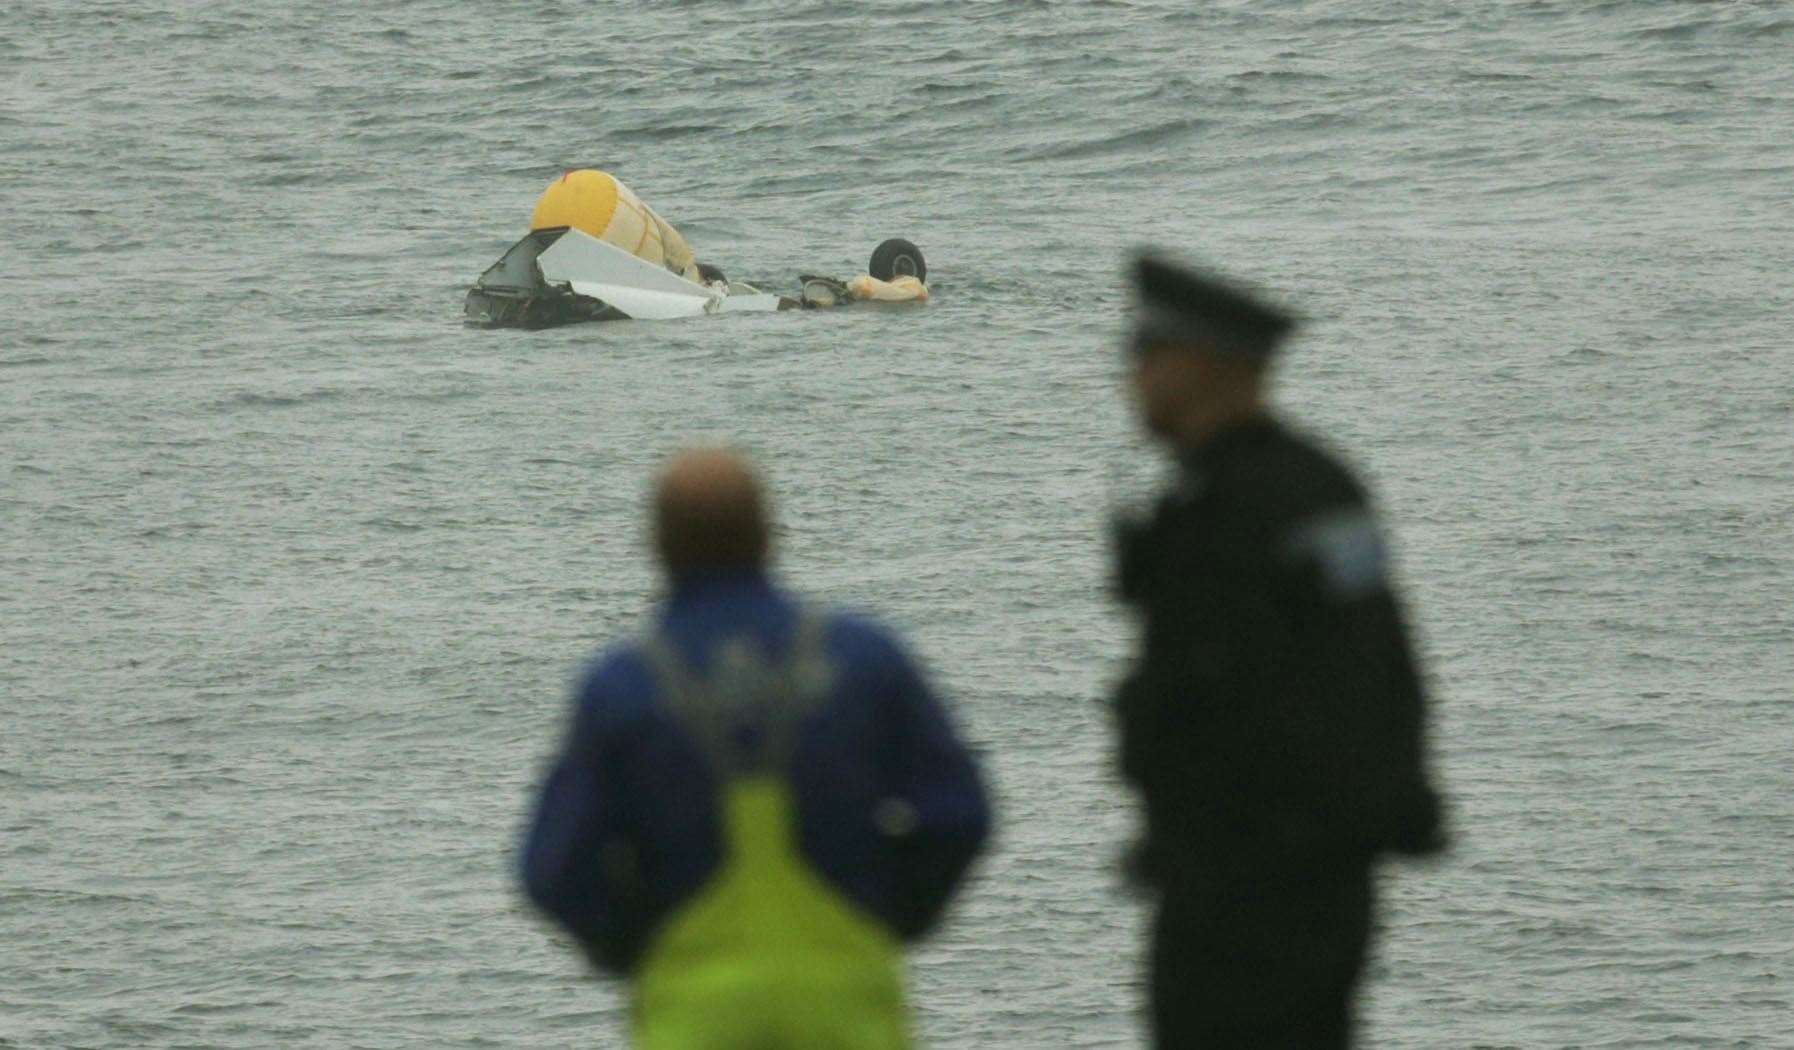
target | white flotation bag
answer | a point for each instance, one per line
(900, 289)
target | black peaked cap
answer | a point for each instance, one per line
(1178, 305)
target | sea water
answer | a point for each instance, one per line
(295, 568)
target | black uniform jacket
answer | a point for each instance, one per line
(1273, 720)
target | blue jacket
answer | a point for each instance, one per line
(889, 806)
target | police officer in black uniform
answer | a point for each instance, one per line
(1272, 722)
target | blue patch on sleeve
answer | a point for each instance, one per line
(1348, 549)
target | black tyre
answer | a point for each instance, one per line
(897, 258)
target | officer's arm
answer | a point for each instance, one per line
(577, 864)
(1188, 739)
(1348, 699)
(935, 814)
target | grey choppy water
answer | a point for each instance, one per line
(296, 566)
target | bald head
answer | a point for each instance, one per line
(709, 513)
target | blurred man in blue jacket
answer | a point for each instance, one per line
(758, 802)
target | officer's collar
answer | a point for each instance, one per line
(1197, 459)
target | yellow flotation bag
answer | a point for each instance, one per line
(596, 203)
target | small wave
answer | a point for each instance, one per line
(392, 525)
(1567, 182)
(293, 178)
(665, 132)
(1356, 22)
(1160, 134)
(1494, 77)
(952, 54)
(524, 87)
(435, 397)
(938, 88)
(251, 399)
(1280, 75)
(1702, 85)
(211, 1009)
(1680, 31)
(74, 897)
